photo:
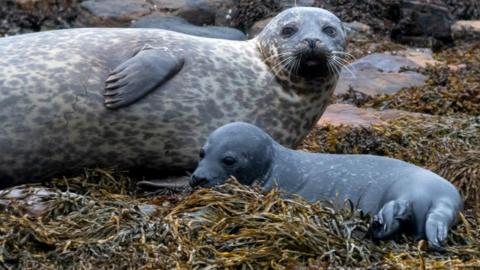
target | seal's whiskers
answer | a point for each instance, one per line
(343, 63)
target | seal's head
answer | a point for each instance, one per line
(236, 149)
(305, 42)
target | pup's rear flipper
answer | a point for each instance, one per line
(390, 218)
(440, 217)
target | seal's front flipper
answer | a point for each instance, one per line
(139, 75)
(439, 219)
(390, 218)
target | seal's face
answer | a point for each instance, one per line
(304, 42)
(237, 149)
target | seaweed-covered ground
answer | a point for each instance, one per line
(101, 220)
(96, 221)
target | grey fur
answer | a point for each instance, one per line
(399, 195)
(56, 104)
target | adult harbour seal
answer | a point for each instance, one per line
(399, 195)
(148, 98)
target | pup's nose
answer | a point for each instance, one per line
(196, 180)
(311, 42)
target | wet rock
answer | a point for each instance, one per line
(112, 13)
(423, 24)
(349, 115)
(464, 9)
(420, 56)
(284, 4)
(374, 82)
(42, 5)
(258, 27)
(247, 12)
(26, 16)
(383, 62)
(466, 30)
(357, 30)
(198, 12)
(224, 11)
(34, 5)
(379, 73)
(41, 8)
(169, 5)
(31, 201)
(181, 25)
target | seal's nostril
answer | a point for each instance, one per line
(312, 42)
(196, 180)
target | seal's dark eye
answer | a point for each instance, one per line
(330, 31)
(202, 153)
(288, 31)
(229, 161)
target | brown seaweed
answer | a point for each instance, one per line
(229, 227)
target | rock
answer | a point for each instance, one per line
(38, 201)
(112, 13)
(44, 8)
(349, 115)
(181, 25)
(464, 9)
(30, 201)
(169, 5)
(379, 73)
(121, 13)
(31, 5)
(284, 4)
(383, 62)
(374, 83)
(423, 24)
(357, 30)
(37, 6)
(466, 30)
(224, 11)
(247, 12)
(258, 27)
(198, 12)
(420, 56)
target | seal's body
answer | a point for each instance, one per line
(399, 194)
(145, 98)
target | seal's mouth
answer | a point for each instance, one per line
(314, 57)
(313, 64)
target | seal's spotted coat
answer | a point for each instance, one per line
(53, 118)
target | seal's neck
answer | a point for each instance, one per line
(284, 171)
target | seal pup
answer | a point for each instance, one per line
(401, 196)
(148, 98)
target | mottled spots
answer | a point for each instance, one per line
(9, 101)
(52, 114)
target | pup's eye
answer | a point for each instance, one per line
(202, 153)
(229, 161)
(288, 31)
(330, 31)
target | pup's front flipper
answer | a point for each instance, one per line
(440, 217)
(390, 218)
(139, 75)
